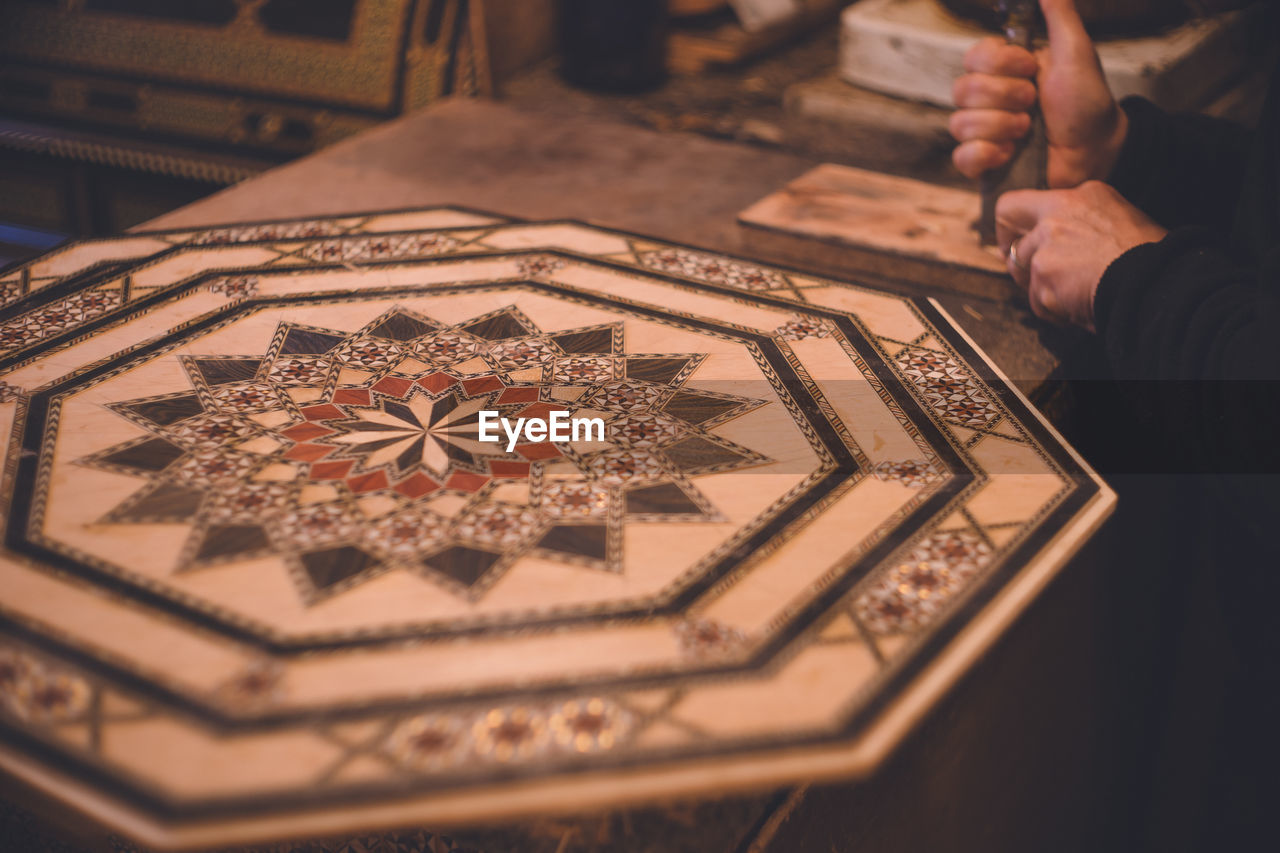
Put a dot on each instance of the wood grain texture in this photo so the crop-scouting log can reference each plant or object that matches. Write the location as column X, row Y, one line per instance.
column 843, row 219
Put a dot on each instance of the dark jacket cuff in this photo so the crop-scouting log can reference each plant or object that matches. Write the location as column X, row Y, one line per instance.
column 1123, row 304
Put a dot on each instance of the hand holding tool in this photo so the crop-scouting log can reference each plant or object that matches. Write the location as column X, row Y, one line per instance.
column 1027, row 169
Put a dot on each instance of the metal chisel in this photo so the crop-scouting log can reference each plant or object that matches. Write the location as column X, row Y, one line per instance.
column 1027, row 169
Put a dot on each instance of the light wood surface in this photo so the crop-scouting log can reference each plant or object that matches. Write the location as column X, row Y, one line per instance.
column 838, row 218
column 915, row 49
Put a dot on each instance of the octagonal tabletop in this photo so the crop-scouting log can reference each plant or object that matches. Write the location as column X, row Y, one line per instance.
column 262, row 578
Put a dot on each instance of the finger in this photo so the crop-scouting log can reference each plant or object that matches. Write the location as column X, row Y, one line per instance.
column 1037, row 307
column 1019, row 271
column 1068, row 40
column 989, row 91
column 992, row 125
column 1044, row 304
column 996, row 56
column 1020, row 211
column 980, row 155
column 1018, row 254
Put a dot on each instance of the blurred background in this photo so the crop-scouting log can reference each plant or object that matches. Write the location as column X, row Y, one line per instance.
column 115, row 111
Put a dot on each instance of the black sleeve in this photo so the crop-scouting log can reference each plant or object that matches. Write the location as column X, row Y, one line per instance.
column 1192, row 340
column 1193, row 337
column 1181, row 169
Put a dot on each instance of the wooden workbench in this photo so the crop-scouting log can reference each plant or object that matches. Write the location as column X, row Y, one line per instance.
column 1011, row 757
column 498, row 158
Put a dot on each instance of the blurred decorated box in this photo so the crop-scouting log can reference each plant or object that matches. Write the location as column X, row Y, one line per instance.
column 114, row 111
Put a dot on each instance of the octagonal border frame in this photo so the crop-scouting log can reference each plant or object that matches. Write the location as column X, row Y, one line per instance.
column 860, row 743
column 159, row 814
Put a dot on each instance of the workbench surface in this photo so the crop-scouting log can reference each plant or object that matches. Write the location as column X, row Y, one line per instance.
column 500, row 158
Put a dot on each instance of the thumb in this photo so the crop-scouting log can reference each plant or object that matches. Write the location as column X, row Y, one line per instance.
column 1068, row 41
column 1019, row 211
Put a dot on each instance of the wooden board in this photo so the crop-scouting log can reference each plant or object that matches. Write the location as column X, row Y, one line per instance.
column 685, row 8
column 263, row 580
column 692, row 48
column 915, row 49
column 844, row 220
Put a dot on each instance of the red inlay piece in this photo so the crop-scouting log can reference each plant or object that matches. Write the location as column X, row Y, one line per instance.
column 308, row 452
column 353, row 396
column 519, row 395
column 481, row 384
column 437, row 382
column 368, row 482
column 417, row 486
column 392, row 385
column 545, row 450
column 465, row 481
column 322, row 412
column 541, row 411
column 499, row 468
column 331, row 470
column 302, row 432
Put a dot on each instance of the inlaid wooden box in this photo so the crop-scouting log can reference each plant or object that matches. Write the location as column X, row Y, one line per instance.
column 280, row 76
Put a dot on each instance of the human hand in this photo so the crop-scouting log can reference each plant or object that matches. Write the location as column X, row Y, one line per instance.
column 1084, row 124
column 1058, row 243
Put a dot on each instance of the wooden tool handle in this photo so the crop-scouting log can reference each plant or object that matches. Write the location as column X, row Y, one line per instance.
column 1028, row 169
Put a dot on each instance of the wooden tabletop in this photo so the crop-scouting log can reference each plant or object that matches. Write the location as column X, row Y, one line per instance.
column 1013, row 754
column 500, row 158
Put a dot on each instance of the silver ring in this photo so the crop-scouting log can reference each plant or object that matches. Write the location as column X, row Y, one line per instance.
column 1013, row 255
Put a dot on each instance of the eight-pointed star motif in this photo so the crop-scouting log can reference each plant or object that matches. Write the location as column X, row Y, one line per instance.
column 420, row 432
